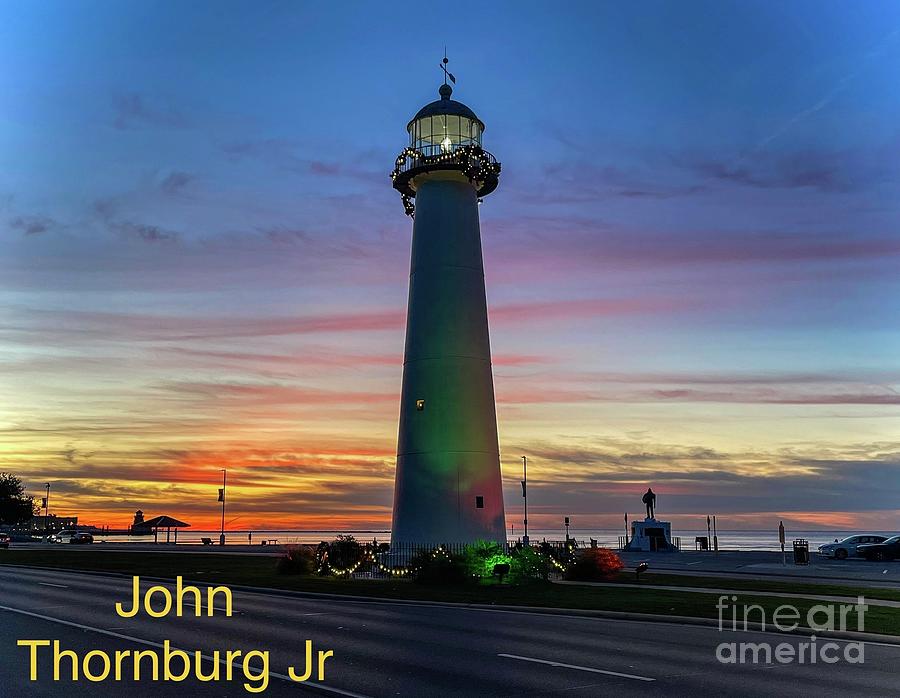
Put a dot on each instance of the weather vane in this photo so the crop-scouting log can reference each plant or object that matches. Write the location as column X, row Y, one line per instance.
column 447, row 73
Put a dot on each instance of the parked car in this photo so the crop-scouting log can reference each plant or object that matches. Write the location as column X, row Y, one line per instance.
column 848, row 547
column 82, row 538
column 4, row 540
column 888, row 550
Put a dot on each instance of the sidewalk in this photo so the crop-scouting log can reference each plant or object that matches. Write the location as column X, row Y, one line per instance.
column 768, row 565
column 740, row 592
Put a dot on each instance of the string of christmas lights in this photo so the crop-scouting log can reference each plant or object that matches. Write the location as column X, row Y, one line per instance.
column 323, row 566
column 475, row 163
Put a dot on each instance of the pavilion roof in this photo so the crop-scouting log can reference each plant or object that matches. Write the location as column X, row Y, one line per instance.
column 163, row 522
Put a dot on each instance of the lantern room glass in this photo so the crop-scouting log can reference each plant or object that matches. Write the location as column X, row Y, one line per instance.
column 443, row 133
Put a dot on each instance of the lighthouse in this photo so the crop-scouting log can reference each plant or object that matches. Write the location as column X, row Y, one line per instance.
column 447, row 487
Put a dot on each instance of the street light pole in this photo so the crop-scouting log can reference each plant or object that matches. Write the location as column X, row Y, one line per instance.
column 525, row 495
column 47, row 511
column 715, row 537
column 222, row 534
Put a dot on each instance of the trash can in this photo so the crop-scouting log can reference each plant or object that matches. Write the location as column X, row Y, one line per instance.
column 801, row 552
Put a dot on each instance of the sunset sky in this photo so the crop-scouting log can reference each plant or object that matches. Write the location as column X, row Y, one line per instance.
column 692, row 260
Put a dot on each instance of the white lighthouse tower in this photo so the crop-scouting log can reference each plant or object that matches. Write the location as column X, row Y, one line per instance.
column 448, row 487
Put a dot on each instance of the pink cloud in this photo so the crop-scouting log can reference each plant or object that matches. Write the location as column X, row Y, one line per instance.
column 92, row 324
column 273, row 395
column 588, row 307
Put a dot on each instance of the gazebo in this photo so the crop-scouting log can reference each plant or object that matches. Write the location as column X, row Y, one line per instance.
column 166, row 522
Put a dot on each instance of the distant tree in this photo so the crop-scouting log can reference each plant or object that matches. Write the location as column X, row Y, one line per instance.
column 15, row 505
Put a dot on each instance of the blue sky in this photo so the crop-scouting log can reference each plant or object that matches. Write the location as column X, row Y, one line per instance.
column 691, row 258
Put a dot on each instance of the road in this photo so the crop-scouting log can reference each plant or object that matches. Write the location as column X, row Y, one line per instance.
column 388, row 648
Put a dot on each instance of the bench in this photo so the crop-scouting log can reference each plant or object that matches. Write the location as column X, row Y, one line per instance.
column 206, row 541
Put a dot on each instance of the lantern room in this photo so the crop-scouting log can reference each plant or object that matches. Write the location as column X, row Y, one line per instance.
column 444, row 136
column 443, row 126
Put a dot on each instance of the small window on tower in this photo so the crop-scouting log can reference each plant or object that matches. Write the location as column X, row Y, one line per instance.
column 420, row 405
column 479, row 502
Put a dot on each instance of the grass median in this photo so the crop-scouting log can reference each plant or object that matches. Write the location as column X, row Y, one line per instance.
column 259, row 571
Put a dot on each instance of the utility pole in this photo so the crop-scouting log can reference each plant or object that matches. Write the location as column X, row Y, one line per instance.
column 525, row 495
column 222, row 498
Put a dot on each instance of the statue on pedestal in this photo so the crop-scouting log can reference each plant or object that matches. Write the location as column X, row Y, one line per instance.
column 649, row 499
column 651, row 535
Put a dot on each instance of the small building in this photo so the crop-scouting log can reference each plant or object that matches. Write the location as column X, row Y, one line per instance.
column 155, row 524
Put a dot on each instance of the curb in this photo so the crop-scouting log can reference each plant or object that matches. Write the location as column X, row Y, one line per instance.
column 853, row 636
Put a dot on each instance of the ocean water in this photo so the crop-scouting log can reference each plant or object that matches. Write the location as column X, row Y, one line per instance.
column 728, row 539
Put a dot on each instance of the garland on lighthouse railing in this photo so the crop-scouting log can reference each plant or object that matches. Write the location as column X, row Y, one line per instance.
column 476, row 165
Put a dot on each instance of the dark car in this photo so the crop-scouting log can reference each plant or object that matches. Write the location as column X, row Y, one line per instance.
column 82, row 538
column 4, row 540
column 888, row 550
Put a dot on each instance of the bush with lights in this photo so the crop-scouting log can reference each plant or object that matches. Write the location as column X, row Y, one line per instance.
column 341, row 557
column 482, row 558
column 594, row 565
column 439, row 567
column 531, row 565
column 482, row 562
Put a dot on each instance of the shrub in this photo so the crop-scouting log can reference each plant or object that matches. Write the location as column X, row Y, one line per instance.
column 439, row 568
column 296, row 560
column 340, row 555
column 529, row 565
column 595, row 565
column 481, row 557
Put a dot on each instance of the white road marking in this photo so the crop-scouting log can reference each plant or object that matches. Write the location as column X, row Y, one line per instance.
column 159, row 645
column 48, row 584
column 865, row 642
column 579, row 668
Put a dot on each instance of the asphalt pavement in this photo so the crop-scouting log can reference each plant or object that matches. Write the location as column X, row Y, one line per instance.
column 759, row 564
column 384, row 648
